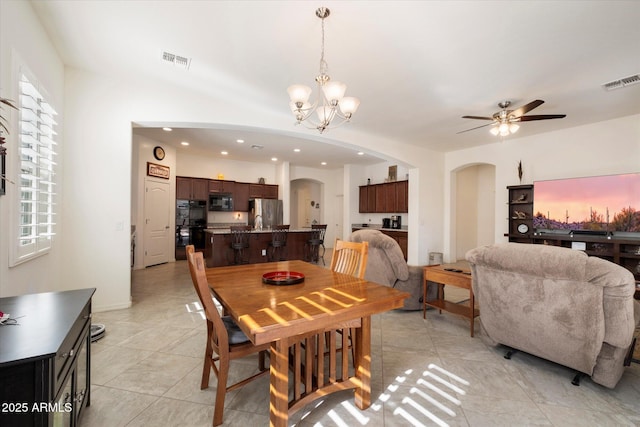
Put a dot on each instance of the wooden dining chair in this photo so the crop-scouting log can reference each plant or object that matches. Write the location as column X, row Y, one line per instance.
column 350, row 258
column 225, row 340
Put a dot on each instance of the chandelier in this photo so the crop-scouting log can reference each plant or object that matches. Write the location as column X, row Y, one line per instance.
column 330, row 104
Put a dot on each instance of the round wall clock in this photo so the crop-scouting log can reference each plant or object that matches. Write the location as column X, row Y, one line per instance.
column 523, row 228
column 158, row 153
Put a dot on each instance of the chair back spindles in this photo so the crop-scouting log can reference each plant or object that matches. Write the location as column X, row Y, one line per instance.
column 350, row 258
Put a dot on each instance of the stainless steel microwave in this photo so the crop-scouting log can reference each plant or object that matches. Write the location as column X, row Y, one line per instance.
column 221, row 202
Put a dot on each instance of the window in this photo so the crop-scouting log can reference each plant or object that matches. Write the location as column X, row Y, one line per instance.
column 37, row 167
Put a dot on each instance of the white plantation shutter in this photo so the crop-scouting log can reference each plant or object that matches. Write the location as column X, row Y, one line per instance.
column 37, row 171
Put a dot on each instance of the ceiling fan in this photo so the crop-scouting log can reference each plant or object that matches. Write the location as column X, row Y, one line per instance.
column 505, row 121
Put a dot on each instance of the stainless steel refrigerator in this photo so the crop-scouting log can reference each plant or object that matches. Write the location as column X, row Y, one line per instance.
column 265, row 213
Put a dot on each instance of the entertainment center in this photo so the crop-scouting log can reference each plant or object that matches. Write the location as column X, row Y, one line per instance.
column 598, row 215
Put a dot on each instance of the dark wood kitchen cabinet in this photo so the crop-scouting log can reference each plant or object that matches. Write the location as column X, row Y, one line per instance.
column 192, row 188
column 390, row 197
column 263, row 191
column 45, row 360
column 241, row 196
column 362, row 200
column 221, row 186
column 371, row 198
column 381, row 198
column 402, row 196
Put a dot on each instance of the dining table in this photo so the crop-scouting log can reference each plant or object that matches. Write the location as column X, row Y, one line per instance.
column 298, row 312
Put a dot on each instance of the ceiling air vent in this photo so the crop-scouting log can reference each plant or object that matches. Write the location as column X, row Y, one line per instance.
column 623, row 82
column 177, row 60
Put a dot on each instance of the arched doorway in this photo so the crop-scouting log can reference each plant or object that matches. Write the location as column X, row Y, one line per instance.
column 474, row 207
column 306, row 203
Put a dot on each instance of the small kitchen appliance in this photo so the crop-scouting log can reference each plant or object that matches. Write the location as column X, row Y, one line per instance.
column 396, row 222
column 386, row 222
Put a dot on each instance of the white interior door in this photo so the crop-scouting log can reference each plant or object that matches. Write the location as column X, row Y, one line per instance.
column 157, row 235
column 339, row 221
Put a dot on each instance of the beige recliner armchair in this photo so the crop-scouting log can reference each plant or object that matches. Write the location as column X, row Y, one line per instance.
column 386, row 265
column 558, row 304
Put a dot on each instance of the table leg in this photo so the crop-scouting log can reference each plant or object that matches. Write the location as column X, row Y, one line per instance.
column 279, row 388
column 363, row 364
column 472, row 302
column 424, row 299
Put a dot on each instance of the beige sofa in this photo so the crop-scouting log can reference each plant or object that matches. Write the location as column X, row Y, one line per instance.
column 558, row 304
column 386, row 265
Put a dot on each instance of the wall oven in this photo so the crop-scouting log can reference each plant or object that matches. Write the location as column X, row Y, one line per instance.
column 191, row 221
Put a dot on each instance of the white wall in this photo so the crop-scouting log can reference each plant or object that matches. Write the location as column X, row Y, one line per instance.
column 602, row 148
column 474, row 208
column 23, row 41
column 198, row 166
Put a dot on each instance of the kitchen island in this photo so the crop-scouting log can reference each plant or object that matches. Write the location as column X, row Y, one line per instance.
column 218, row 252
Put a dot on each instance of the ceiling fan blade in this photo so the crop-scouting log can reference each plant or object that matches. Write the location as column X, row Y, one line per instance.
column 526, row 108
column 541, row 117
column 478, row 127
column 477, row 117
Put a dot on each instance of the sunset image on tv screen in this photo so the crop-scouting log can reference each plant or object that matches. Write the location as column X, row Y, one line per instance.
column 600, row 203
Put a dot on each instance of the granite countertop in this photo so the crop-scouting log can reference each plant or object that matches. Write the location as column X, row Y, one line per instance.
column 228, row 230
column 377, row 227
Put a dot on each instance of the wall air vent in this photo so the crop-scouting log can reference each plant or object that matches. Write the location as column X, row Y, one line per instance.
column 623, row 82
column 177, row 60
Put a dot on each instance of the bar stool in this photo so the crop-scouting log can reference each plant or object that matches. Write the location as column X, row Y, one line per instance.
column 240, row 242
column 278, row 242
column 315, row 242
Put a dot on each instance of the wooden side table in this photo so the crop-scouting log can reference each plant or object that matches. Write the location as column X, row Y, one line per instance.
column 449, row 274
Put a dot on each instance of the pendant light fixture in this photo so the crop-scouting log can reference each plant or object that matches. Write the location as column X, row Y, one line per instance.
column 331, row 107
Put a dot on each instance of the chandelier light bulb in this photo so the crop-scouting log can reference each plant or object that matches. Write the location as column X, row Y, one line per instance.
column 495, row 131
column 299, row 93
column 513, row 128
column 334, row 91
column 324, row 114
column 349, row 105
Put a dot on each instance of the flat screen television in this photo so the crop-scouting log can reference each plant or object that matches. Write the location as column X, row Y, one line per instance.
column 609, row 203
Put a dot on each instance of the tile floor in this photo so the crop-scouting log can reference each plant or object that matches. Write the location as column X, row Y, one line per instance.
column 146, row 372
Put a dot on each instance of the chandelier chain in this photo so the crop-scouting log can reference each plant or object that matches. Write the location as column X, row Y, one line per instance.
column 324, row 67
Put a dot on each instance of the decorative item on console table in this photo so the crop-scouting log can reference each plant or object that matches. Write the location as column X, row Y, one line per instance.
column 520, row 213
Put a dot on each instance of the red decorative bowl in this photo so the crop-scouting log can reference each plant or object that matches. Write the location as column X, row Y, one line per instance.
column 282, row 278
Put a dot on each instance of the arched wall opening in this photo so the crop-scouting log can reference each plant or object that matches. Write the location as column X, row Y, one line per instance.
column 472, row 208
column 306, row 203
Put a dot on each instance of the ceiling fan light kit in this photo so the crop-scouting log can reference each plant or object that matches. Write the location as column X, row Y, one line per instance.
column 505, row 122
column 330, row 103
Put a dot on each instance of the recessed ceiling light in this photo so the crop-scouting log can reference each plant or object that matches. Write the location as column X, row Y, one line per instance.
column 167, row 129
column 360, row 153
column 297, row 150
column 224, row 153
column 240, row 141
column 323, row 163
column 184, row 143
column 274, row 159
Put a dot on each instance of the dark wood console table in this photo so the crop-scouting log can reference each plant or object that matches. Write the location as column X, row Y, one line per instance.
column 45, row 358
column 624, row 251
